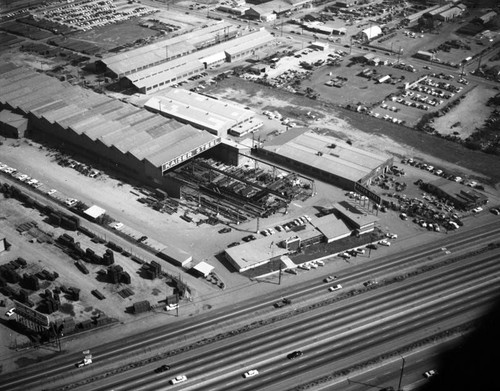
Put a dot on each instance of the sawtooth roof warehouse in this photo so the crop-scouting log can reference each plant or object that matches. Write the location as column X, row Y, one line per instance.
column 129, row 139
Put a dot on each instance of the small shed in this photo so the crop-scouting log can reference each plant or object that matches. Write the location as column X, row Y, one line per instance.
column 94, row 213
column 203, row 268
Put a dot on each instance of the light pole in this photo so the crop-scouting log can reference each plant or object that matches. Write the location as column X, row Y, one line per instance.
column 401, row 374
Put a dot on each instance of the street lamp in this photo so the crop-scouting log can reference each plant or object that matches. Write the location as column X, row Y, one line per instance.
column 401, row 374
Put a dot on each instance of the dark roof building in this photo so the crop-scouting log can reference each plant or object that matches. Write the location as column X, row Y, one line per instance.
column 133, row 140
column 325, row 158
column 461, row 196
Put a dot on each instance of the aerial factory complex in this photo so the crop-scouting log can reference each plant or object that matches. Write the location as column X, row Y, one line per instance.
column 262, row 195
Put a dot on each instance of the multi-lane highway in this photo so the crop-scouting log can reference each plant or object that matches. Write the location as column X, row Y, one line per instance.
column 335, row 337
column 356, row 313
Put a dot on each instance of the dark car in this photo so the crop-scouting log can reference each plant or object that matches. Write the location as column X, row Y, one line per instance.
column 225, row 230
column 372, row 246
column 294, row 355
column 163, row 368
column 233, row 244
column 249, row 238
column 142, row 239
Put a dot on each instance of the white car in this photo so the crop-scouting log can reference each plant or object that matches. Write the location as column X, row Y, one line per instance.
column 178, row 379
column 71, row 201
column 384, row 242
column 430, row 373
column 250, row 373
column 359, row 250
column 172, row 306
column 10, row 312
column 335, row 288
column 477, row 210
column 391, row 236
column 51, row 191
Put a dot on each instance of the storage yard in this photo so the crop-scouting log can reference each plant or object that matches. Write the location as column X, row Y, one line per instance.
column 159, row 160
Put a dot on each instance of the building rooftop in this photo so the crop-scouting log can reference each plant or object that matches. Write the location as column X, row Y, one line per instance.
column 355, row 216
column 203, row 111
column 155, row 139
column 327, row 154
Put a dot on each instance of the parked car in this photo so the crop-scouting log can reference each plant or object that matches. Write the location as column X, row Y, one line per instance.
column 384, row 242
column 391, row 235
column 233, row 244
column 372, row 246
column 495, row 211
column 10, row 312
column 225, row 230
column 172, row 306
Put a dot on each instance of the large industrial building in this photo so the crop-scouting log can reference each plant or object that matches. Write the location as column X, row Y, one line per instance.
column 217, row 116
column 323, row 157
column 157, row 66
column 129, row 139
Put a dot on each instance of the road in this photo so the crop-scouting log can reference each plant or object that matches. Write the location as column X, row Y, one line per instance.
column 110, row 353
column 352, row 331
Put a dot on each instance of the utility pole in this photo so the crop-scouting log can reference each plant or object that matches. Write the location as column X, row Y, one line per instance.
column 401, row 374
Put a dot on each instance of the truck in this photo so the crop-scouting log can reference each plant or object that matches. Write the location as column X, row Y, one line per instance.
column 86, row 361
column 283, row 302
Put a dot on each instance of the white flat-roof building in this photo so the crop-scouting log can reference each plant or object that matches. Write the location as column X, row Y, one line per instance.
column 217, row 116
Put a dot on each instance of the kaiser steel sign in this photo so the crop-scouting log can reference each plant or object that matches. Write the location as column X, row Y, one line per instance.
column 366, row 192
column 32, row 315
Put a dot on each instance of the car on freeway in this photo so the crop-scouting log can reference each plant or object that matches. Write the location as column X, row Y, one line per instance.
column 430, row 373
column 178, row 379
column 384, row 242
column 163, row 368
column 234, row 244
column 225, row 230
column 330, row 278
column 295, row 354
column 250, row 373
column 370, row 283
column 335, row 288
column 10, row 312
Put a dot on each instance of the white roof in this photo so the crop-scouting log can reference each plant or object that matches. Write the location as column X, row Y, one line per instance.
column 95, row 211
column 204, row 268
column 372, row 32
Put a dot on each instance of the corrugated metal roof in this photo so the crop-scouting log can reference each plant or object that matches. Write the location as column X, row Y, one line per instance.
column 344, row 160
column 158, row 51
column 247, row 42
column 100, row 118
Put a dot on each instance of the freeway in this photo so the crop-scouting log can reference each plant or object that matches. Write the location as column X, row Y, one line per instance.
column 128, row 347
column 334, row 333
